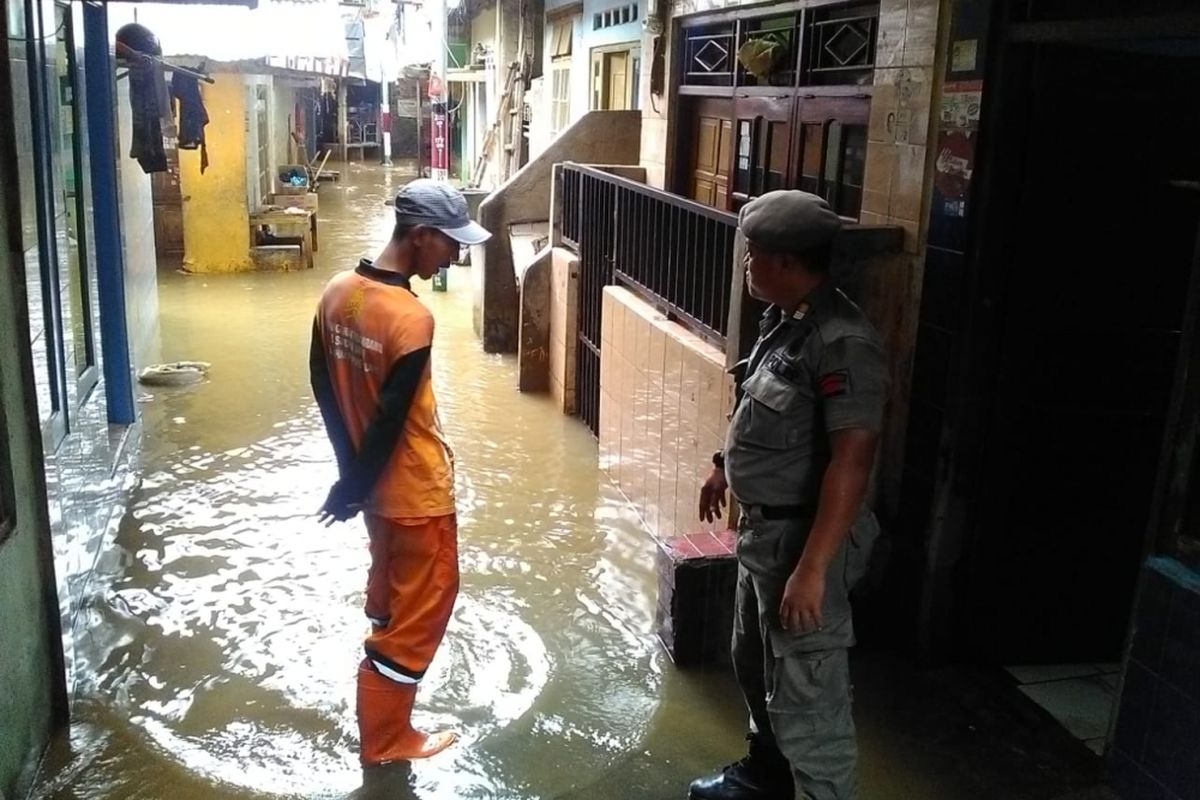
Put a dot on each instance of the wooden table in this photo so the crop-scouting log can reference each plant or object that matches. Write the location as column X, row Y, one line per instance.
column 301, row 219
column 307, row 200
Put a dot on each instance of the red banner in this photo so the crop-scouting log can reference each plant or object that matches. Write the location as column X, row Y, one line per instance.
column 439, row 141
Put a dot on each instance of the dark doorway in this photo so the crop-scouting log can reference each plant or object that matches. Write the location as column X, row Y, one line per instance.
column 1086, row 254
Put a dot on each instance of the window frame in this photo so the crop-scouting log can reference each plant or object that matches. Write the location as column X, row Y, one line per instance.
column 728, row 32
column 87, row 374
column 560, row 76
column 262, row 144
column 56, row 421
column 757, row 105
column 562, row 38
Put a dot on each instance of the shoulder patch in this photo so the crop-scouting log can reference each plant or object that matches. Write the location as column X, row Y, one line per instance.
column 834, row 384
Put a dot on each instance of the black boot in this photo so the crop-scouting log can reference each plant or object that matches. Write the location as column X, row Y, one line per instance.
column 764, row 774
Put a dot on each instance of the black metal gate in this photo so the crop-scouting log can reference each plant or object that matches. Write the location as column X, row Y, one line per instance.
column 589, row 228
column 676, row 254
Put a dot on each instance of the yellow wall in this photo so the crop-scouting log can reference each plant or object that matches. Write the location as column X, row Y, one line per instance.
column 216, row 227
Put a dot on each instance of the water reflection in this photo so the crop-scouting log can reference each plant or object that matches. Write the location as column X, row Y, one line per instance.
column 224, row 641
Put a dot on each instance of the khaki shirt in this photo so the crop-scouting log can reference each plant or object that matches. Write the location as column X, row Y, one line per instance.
column 815, row 372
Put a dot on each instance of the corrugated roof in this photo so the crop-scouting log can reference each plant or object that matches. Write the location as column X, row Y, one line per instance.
column 312, row 31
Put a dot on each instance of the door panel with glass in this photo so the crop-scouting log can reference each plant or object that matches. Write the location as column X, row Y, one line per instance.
column 830, row 149
column 762, row 126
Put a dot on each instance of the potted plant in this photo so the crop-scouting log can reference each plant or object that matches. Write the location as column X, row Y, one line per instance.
column 760, row 56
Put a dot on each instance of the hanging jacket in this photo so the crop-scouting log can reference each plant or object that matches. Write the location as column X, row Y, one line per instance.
column 147, row 141
column 193, row 117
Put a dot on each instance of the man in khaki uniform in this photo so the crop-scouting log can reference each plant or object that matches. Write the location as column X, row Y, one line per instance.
column 798, row 461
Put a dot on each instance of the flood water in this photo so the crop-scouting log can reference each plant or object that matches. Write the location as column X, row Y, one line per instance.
column 221, row 655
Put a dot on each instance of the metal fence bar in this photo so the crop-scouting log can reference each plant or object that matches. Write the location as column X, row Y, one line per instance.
column 675, row 253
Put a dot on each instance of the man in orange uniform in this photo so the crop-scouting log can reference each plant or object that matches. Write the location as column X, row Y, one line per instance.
column 370, row 373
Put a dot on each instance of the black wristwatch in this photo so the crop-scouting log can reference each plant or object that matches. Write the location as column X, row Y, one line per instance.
column 718, row 460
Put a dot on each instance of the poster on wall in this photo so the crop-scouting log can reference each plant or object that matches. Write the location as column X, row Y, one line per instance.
column 955, row 162
column 439, row 161
column 439, row 140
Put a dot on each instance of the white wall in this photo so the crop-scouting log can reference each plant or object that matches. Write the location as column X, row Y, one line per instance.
column 540, row 127
column 283, row 111
column 137, row 229
column 617, row 34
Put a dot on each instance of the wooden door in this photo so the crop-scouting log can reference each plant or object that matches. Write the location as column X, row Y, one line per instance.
column 617, row 75
column 829, row 149
column 168, row 209
column 762, row 141
column 712, row 135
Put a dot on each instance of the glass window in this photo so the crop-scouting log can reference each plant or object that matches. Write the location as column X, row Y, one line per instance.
column 845, row 165
column 72, row 232
column 745, row 144
column 560, row 97
column 708, row 55
column 561, row 38
column 840, row 43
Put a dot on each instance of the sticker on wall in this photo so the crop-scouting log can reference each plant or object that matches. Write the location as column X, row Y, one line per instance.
column 953, row 169
column 964, row 55
column 961, row 103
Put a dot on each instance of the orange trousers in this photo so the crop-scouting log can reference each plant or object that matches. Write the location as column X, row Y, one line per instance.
column 411, row 587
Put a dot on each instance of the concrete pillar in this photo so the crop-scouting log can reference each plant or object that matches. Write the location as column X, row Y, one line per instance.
column 343, row 122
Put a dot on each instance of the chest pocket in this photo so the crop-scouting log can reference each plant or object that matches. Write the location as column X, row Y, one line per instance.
column 775, row 410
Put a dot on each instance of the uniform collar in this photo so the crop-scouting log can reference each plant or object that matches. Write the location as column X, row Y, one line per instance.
column 367, row 269
column 818, row 297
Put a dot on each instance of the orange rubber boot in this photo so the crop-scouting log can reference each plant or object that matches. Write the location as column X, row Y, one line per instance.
column 385, row 722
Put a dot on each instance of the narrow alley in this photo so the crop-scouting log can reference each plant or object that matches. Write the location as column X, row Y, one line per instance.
column 224, row 639
column 226, row 622
column 180, row 180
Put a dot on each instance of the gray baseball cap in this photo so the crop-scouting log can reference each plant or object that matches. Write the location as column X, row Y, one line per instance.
column 438, row 205
column 789, row 221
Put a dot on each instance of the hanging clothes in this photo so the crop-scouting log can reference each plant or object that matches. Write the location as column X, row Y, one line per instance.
column 149, row 101
column 193, row 116
column 147, row 140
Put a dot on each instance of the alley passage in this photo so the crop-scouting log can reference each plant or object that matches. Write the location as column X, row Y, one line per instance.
column 227, row 624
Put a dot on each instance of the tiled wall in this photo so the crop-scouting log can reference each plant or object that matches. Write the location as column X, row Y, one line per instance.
column 943, row 292
column 564, row 324
column 1156, row 750
column 664, row 402
column 657, row 120
column 901, row 105
column 89, row 479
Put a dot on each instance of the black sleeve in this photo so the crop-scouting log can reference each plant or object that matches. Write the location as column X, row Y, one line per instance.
column 322, row 386
column 383, row 433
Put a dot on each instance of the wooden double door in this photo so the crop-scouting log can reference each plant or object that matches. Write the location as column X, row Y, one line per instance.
column 746, row 146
